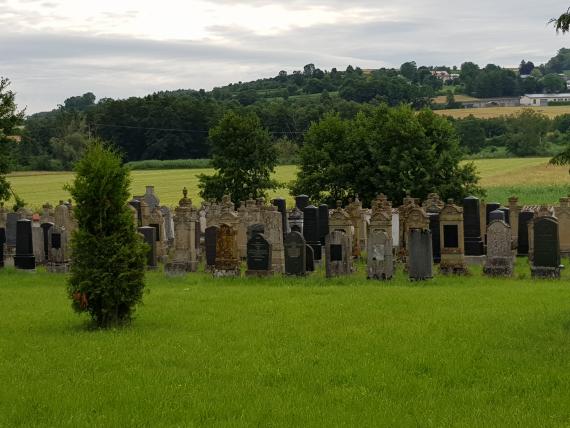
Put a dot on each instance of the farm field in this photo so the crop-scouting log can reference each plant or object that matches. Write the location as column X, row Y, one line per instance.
column 531, row 179
column 467, row 351
column 460, row 98
column 489, row 112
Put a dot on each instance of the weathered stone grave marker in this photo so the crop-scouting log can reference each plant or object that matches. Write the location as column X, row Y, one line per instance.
column 295, row 254
column 258, row 256
column 500, row 261
column 546, row 249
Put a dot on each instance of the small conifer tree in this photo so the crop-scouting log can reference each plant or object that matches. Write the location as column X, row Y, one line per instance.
column 108, row 256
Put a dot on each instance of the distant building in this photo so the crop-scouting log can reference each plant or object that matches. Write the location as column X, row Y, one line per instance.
column 543, row 99
column 442, row 75
column 492, row 102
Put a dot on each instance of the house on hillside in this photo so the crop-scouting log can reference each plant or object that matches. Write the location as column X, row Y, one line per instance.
column 543, row 99
column 492, row 102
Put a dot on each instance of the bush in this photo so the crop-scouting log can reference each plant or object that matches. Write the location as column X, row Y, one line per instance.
column 107, row 271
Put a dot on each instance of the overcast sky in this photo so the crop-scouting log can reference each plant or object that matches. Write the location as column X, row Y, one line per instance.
column 54, row 49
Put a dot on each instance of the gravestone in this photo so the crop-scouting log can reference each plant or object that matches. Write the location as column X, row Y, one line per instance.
column 338, row 254
column 563, row 215
column 255, row 229
column 452, row 240
column 301, row 202
column 149, row 237
column 45, row 230
column 184, row 252
column 435, row 236
column 2, row 245
column 210, row 239
column 420, row 257
column 525, row 217
column 281, row 205
column 323, row 223
column 296, row 220
column 136, row 204
column 295, row 254
column 472, row 227
column 546, row 252
column 380, row 264
column 169, row 231
column 227, row 255
column 58, row 252
column 489, row 208
column 309, row 258
column 11, row 228
column 258, row 256
column 38, row 240
column 24, row 258
column 506, row 213
column 497, row 215
column 311, row 230
column 500, row 260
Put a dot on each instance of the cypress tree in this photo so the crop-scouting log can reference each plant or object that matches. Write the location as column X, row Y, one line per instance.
column 108, row 256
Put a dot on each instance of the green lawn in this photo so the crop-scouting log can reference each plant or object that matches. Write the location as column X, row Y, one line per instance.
column 291, row 352
column 530, row 178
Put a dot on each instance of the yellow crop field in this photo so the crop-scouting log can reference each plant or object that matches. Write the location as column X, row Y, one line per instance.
column 530, row 177
column 491, row 112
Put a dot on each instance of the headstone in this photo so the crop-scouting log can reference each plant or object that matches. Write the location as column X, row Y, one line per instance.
column 489, row 208
column 258, row 256
column 497, row 215
column 24, row 258
column 211, row 237
column 136, row 204
column 150, row 198
column 281, row 205
column 472, row 227
column 45, row 230
column 309, row 258
column 338, row 254
column 296, row 220
column 2, row 245
column 420, row 257
column 311, row 230
column 11, row 227
column 301, row 202
column 546, row 251
column 380, row 264
column 58, row 251
column 273, row 232
column 255, row 229
column 500, row 260
column 149, row 237
column 435, row 236
column 168, row 225
column 227, row 256
column 38, row 240
column 563, row 216
column 452, row 240
column 523, row 245
column 506, row 213
column 295, row 254
column 184, row 254
column 323, row 222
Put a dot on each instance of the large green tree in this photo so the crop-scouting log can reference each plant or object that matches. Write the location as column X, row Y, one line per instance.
column 243, row 156
column 107, row 272
column 10, row 119
column 389, row 150
column 526, row 133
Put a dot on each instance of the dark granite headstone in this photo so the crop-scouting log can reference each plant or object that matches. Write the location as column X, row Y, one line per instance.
column 507, row 213
column 11, row 226
column 149, row 235
column 523, row 245
column 55, row 240
column 435, row 236
column 295, row 254
column 210, row 238
column 2, row 242
column 496, row 215
column 489, row 208
column 258, row 255
column 46, row 228
column 420, row 259
column 472, row 227
column 311, row 230
column 24, row 258
column 301, row 202
column 309, row 258
column 136, row 204
column 197, row 234
column 323, row 222
column 546, row 260
column 281, row 205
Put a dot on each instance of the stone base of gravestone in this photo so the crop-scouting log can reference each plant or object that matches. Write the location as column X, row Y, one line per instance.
column 475, row 260
column 175, row 268
column 58, row 267
column 453, row 267
column 223, row 273
column 499, row 266
column 542, row 272
column 259, row 273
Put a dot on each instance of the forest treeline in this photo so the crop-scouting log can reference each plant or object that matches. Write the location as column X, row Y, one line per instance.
column 175, row 124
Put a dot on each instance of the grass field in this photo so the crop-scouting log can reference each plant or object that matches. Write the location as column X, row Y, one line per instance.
column 442, row 99
column 532, row 179
column 489, row 112
column 291, row 352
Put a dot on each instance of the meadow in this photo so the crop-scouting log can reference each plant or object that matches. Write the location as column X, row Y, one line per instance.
column 531, row 179
column 490, row 112
column 291, row 352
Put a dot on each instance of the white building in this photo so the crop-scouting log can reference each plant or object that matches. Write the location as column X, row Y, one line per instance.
column 543, row 99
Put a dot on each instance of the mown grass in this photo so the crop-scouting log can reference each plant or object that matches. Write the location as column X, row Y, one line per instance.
column 532, row 179
column 490, row 112
column 291, row 352
column 170, row 164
